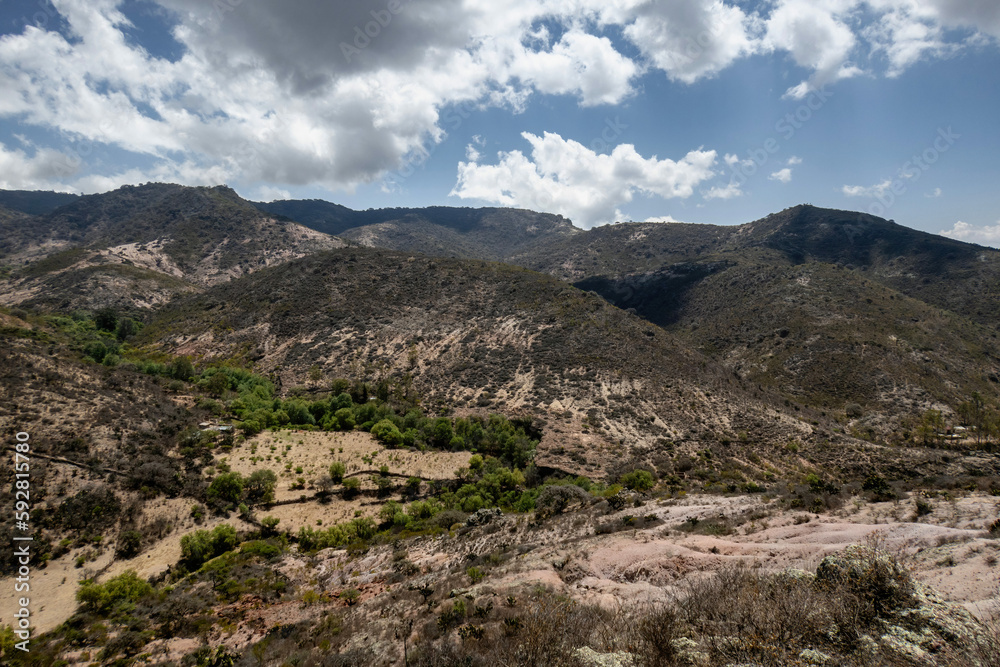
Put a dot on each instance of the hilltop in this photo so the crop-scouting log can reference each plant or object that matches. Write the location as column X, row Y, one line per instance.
column 139, row 246
column 472, row 233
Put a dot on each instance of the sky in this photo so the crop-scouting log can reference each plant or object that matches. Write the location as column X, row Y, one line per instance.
column 599, row 110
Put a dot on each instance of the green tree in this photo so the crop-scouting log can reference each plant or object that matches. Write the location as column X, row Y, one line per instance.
column 259, row 487
column 227, row 487
column 932, row 427
column 96, row 351
column 345, row 418
column 126, row 327
column 386, row 432
column 975, row 415
column 269, row 525
column 203, row 545
column 106, row 319
column 337, row 470
column 638, row 480
column 352, row 487
column 181, row 368
column 117, row 594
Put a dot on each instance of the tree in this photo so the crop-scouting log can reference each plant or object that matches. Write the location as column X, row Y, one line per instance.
column 638, row 480
column 217, row 384
column 181, row 368
column 126, row 327
column 203, row 545
column 387, row 432
column 259, row 488
column 337, row 471
column 106, row 319
column 269, row 525
column 974, row 414
column 931, row 427
column 352, row 487
column 227, row 487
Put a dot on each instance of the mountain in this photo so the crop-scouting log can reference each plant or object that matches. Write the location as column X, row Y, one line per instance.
column 610, row 388
column 35, row 202
column 827, row 307
column 474, row 334
column 473, row 233
column 141, row 245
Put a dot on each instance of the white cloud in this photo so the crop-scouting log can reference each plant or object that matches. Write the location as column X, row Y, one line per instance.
column 794, row 160
column 984, row 235
column 816, row 36
column 876, row 190
column 661, row 218
column 268, row 194
column 723, row 192
column 19, row 171
column 933, row 194
column 280, row 94
column 782, row 175
column 564, row 176
column 579, row 64
column 692, row 39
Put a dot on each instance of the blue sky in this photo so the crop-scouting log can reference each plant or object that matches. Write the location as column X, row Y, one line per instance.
column 691, row 110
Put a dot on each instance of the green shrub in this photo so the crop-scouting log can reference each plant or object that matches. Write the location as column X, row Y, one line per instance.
column 352, row 487
column 115, row 595
column 638, row 480
column 203, row 545
column 337, row 470
column 261, row 548
column 259, row 487
column 227, row 487
column 387, row 433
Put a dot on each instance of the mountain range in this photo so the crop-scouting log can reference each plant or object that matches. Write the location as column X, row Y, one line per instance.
column 633, row 340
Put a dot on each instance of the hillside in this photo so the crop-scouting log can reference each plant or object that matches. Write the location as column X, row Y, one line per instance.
column 472, row 233
column 35, row 202
column 828, row 307
column 140, row 246
column 610, row 389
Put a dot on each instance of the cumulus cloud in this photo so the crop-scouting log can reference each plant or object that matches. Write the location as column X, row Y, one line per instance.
column 661, row 218
column 579, row 64
column 692, row 39
column 983, row 235
column 723, row 192
column 567, row 177
column 338, row 93
column 782, row 175
column 817, row 37
column 876, row 190
column 20, row 171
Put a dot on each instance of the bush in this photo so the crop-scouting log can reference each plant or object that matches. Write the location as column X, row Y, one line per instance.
column 269, row 525
column 116, row 595
column 352, row 487
column 638, row 480
column 387, row 433
column 449, row 518
column 129, row 544
column 261, row 548
column 554, row 499
column 203, row 545
column 227, row 487
column 259, row 488
column 106, row 319
column 879, row 488
column 337, row 470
